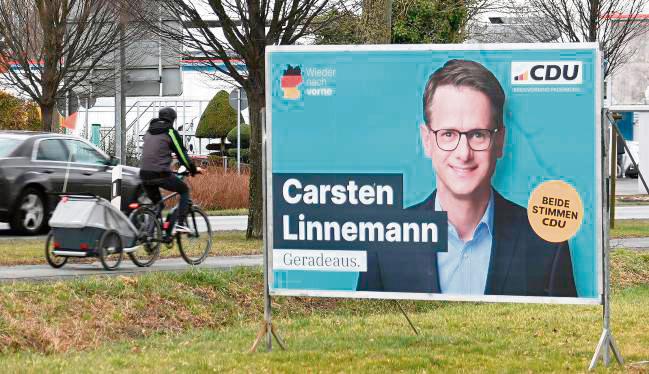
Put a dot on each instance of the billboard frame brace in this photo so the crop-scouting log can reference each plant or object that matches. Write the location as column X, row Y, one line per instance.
column 618, row 133
column 606, row 340
column 406, row 315
column 267, row 328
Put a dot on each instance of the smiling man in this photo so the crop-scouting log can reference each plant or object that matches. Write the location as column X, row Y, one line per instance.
column 492, row 248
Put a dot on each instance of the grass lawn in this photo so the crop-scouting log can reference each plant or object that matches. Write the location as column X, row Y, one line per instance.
column 32, row 251
column 203, row 321
column 630, row 228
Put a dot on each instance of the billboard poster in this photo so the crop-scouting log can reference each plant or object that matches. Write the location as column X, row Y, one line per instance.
column 435, row 172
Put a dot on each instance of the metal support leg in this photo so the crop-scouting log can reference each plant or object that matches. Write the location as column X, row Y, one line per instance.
column 606, row 340
column 407, row 318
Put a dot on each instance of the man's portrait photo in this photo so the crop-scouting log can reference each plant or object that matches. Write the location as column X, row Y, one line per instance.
column 492, row 248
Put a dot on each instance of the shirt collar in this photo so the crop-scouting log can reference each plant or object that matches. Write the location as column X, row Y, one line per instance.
column 487, row 218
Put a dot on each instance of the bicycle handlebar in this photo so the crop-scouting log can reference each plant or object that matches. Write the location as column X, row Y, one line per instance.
column 185, row 173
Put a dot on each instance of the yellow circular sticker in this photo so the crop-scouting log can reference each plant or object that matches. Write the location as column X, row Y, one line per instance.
column 555, row 211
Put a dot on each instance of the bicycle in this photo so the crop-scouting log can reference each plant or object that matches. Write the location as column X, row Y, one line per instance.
column 194, row 246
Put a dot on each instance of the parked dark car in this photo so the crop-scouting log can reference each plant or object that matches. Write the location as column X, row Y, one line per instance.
column 35, row 166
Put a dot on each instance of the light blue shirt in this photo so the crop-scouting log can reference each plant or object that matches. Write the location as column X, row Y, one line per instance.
column 464, row 267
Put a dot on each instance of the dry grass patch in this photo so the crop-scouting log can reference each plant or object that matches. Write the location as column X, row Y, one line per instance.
column 216, row 189
column 638, row 199
column 83, row 314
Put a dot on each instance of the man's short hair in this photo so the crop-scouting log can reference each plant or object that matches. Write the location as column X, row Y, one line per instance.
column 471, row 74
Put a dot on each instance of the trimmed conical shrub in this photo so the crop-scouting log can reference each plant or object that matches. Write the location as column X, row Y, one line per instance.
column 245, row 136
column 218, row 118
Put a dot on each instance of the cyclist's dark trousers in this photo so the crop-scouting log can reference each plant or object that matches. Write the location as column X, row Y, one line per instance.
column 169, row 183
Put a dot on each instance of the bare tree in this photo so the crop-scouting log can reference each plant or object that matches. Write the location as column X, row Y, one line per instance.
column 227, row 31
column 51, row 46
column 612, row 23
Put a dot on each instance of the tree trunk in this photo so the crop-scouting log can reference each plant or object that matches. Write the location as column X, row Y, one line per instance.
column 48, row 116
column 375, row 22
column 593, row 20
column 256, row 100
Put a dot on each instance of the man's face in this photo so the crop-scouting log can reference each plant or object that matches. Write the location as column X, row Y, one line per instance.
column 463, row 172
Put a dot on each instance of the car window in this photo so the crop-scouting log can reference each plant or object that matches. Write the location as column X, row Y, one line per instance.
column 52, row 150
column 84, row 153
column 7, row 146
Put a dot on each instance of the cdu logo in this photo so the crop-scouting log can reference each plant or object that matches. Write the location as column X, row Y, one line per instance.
column 291, row 78
column 546, row 72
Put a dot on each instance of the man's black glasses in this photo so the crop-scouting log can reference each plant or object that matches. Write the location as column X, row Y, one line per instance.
column 479, row 139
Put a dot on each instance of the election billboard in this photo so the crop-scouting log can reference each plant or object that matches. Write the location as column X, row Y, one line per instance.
column 435, row 172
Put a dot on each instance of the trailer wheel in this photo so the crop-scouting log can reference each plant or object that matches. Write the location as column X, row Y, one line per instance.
column 52, row 259
column 110, row 250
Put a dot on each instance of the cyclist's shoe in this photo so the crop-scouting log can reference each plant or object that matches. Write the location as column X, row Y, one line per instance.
column 182, row 229
column 168, row 240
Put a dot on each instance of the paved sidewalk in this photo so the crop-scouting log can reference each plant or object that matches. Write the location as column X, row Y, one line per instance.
column 75, row 270
column 630, row 243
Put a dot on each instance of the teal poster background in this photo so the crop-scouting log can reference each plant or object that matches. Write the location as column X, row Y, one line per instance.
column 365, row 117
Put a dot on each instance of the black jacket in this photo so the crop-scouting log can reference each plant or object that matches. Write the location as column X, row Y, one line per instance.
column 160, row 141
column 521, row 262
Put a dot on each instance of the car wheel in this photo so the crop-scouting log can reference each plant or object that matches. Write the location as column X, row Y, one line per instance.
column 30, row 214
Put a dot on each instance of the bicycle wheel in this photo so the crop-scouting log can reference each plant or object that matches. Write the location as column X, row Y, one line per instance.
column 52, row 259
column 110, row 250
column 195, row 246
column 149, row 237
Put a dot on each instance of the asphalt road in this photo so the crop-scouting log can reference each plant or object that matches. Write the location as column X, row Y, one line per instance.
column 632, row 212
column 218, row 223
column 629, row 186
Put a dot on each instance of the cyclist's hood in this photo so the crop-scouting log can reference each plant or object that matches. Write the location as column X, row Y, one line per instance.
column 159, row 126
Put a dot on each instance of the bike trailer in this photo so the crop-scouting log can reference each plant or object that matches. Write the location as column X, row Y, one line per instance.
column 78, row 223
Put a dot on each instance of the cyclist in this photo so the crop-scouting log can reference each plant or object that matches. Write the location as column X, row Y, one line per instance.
column 160, row 141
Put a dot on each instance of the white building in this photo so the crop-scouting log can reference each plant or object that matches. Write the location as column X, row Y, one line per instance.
column 199, row 85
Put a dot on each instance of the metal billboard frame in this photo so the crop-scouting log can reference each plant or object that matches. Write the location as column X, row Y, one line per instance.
column 601, row 242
